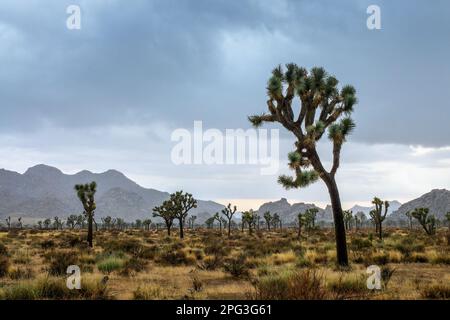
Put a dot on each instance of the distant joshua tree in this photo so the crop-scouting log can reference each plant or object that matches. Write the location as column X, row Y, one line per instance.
column 310, row 215
column 249, row 217
column 147, row 223
column 166, row 211
column 57, row 224
column 323, row 106
column 360, row 219
column 191, row 221
column 71, row 221
column 47, row 223
column 8, row 222
column 210, row 222
column 410, row 218
column 301, row 220
column 428, row 222
column 19, row 223
column 228, row 212
column 378, row 216
column 217, row 218
column 348, row 218
column 86, row 193
column 268, row 217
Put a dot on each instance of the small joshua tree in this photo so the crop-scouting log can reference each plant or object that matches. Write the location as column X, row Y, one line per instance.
column 86, row 193
column 378, row 216
column 166, row 211
column 8, row 222
column 348, row 218
column 310, row 216
column 47, row 223
column 219, row 220
column 228, row 212
column 428, row 222
column 81, row 220
column 191, row 221
column 322, row 107
column 210, row 222
column 57, row 224
column 301, row 220
column 275, row 220
column 250, row 218
column 268, row 217
column 147, row 223
column 71, row 221
column 19, row 223
column 39, row 223
column 410, row 218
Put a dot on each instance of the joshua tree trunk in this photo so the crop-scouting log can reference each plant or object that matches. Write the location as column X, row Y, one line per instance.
column 90, row 231
column 229, row 227
column 339, row 227
column 181, row 229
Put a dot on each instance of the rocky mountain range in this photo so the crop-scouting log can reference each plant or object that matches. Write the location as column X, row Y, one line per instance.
column 394, row 205
column 437, row 201
column 45, row 192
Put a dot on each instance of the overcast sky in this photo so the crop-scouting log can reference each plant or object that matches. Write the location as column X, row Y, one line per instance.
column 110, row 94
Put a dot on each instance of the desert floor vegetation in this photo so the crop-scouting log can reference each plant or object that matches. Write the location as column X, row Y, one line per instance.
column 140, row 264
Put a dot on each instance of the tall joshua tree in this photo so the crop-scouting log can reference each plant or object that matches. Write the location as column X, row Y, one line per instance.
column 228, row 212
column 323, row 107
column 86, row 193
column 378, row 216
column 182, row 203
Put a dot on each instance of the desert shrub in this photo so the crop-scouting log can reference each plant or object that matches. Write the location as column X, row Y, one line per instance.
column 110, row 264
column 21, row 273
column 55, row 288
column 418, row 257
column 442, row 258
column 174, row 257
column 21, row 257
column 346, row 287
column 436, row 291
column 302, row 262
column 210, row 263
column 299, row 285
column 125, row 245
column 236, row 267
column 60, row 260
column 147, row 252
column 47, row 244
column 3, row 250
column 217, row 248
column 283, row 257
column 134, row 264
column 360, row 244
column 380, row 258
column 4, row 266
column 149, row 292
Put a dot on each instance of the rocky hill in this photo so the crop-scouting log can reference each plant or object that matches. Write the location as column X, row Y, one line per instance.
column 289, row 212
column 437, row 200
column 44, row 191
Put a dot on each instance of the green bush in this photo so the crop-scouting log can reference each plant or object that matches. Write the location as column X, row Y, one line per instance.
column 111, row 264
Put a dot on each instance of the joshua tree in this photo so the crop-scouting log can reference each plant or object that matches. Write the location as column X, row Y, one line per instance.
column 191, row 221
column 81, row 219
column 348, row 217
column 249, row 217
column 323, row 107
column 138, row 223
column 71, row 221
column 301, row 219
column 310, row 216
column 47, row 223
column 8, row 222
column 428, row 222
column 210, row 222
column 228, row 212
column 57, row 224
column 167, row 213
column 147, row 223
column 217, row 218
column 410, row 218
column 121, row 224
column 378, row 216
column 86, row 193
column 275, row 220
column 268, row 217
column 183, row 202
column 19, row 223
column 360, row 218
column 39, row 223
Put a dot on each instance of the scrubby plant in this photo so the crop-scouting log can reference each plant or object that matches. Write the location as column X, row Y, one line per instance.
column 86, row 193
column 323, row 106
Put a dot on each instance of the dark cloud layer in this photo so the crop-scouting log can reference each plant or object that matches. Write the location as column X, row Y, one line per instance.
column 134, row 62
